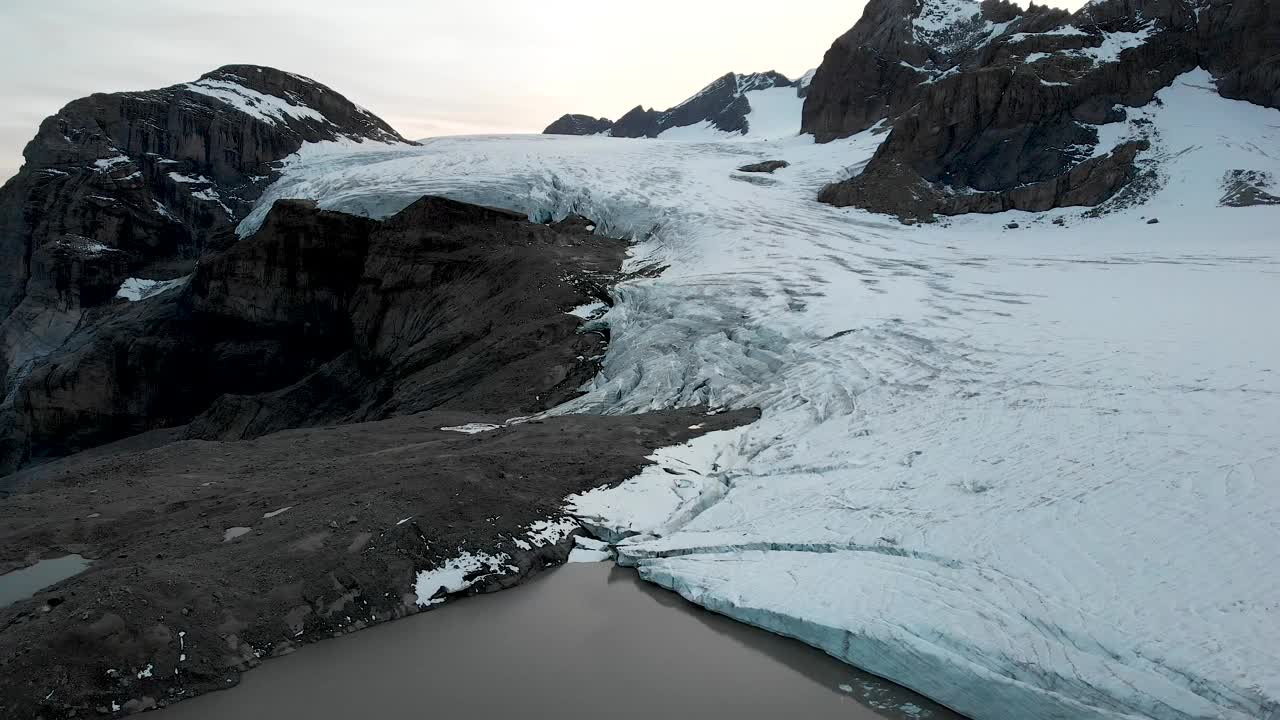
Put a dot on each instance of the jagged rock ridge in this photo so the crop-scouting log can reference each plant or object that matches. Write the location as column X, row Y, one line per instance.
column 578, row 125
column 723, row 104
column 994, row 107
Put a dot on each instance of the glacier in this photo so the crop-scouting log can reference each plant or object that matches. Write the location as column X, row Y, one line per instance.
column 1024, row 464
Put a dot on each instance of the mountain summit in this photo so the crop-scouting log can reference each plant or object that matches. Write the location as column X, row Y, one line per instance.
column 121, row 193
column 723, row 105
column 995, row 107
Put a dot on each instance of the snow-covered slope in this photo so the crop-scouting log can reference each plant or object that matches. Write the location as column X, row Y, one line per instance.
column 774, row 114
column 762, row 105
column 1028, row 472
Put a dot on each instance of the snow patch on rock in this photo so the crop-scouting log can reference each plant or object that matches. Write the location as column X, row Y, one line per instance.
column 267, row 108
column 137, row 289
column 682, row 481
column 472, row 428
column 457, row 574
column 547, row 532
column 105, row 165
column 189, row 179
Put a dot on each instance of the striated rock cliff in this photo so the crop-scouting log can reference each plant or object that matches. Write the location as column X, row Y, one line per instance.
column 141, row 184
column 323, row 317
column 995, row 108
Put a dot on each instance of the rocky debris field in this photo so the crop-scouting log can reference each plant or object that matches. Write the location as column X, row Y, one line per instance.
column 209, row 556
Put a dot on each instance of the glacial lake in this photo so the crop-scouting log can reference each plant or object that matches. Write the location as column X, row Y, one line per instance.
column 22, row 584
column 582, row 640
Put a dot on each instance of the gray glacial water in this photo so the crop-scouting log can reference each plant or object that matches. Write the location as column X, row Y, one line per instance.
column 582, row 639
column 22, row 584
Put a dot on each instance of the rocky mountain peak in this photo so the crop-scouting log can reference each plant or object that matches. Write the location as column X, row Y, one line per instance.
column 136, row 186
column 994, row 107
column 950, row 28
column 286, row 99
column 762, row 81
column 723, row 104
column 802, row 85
column 572, row 124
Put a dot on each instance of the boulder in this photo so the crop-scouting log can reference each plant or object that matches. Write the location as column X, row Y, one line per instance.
column 768, row 166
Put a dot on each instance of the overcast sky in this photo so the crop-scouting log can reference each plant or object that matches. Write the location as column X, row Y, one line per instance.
column 428, row 67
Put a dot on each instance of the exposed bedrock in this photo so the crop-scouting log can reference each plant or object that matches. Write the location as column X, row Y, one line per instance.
column 993, row 107
column 323, row 317
column 578, row 125
column 141, row 184
column 723, row 104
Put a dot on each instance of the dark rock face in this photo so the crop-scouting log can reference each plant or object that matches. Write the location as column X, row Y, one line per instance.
column 722, row 103
column 638, row 122
column 578, row 125
column 868, row 74
column 322, row 317
column 768, row 166
column 142, row 184
column 1246, row 188
column 1237, row 42
column 994, row 107
column 341, row 518
column 162, row 172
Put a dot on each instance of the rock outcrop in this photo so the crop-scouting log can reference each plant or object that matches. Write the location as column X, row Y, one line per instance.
column 724, row 105
column 994, row 107
column 768, row 166
column 1245, row 188
column 141, row 184
column 323, row 317
column 578, row 125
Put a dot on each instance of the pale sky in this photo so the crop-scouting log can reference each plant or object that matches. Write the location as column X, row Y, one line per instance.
column 427, row 67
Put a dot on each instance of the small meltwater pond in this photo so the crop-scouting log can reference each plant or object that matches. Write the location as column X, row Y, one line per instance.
column 583, row 640
column 22, row 584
